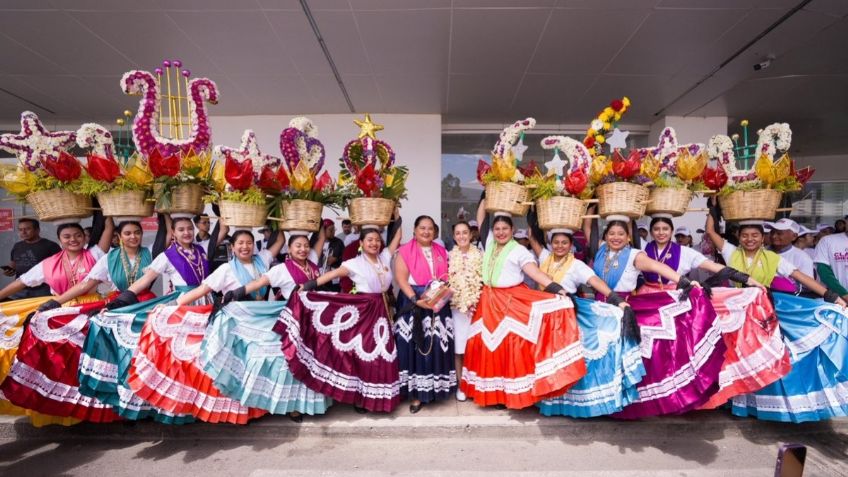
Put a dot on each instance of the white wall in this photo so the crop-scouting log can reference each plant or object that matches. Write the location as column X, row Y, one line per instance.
column 415, row 138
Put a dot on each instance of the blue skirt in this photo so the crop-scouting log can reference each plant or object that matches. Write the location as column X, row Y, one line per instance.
column 426, row 372
column 816, row 334
column 106, row 357
column 614, row 366
column 243, row 356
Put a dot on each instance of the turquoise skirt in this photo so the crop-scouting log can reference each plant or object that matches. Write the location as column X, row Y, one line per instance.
column 244, row 357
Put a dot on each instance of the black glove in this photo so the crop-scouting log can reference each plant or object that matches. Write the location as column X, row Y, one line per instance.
column 554, row 288
column 238, row 294
column 686, row 286
column 738, row 277
column 614, row 299
column 715, row 210
column 310, row 285
column 125, row 298
column 629, row 326
column 831, row 296
column 49, row 305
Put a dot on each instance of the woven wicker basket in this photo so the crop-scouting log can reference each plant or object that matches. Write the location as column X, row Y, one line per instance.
column 302, row 215
column 371, row 211
column 669, row 200
column 185, row 199
column 560, row 212
column 622, row 198
column 759, row 204
column 507, row 197
column 58, row 204
column 239, row 214
column 130, row 203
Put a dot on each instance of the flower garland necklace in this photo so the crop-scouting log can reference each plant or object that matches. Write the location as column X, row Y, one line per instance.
column 130, row 270
column 465, row 270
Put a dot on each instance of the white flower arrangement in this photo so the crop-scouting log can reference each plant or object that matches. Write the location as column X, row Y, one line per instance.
column 304, row 124
column 510, row 135
column 95, row 137
column 465, row 273
column 773, row 138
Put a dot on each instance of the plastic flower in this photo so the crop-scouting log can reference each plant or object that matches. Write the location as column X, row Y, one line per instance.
column 301, row 177
column 600, row 168
column 65, row 168
column 650, row 166
column 626, row 168
column 18, row 182
column 283, row 177
column 690, row 167
column 801, row 175
column 366, row 180
column 239, row 175
column 138, row 173
column 268, row 181
column 770, row 173
column 219, row 180
column 714, row 178
column 575, row 182
column 325, row 182
column 163, row 166
column 503, row 167
column 104, row 169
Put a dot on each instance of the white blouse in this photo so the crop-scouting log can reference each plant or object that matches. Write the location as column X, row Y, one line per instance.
column 578, row 274
column 279, row 276
column 223, row 279
column 35, row 276
column 362, row 272
column 511, row 272
column 784, row 267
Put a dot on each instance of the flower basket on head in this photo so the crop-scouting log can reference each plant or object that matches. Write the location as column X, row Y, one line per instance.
column 561, row 212
column 668, row 200
column 242, row 214
column 184, row 199
column 676, row 171
column 622, row 198
column 370, row 180
column 58, row 204
column 560, row 193
column 127, row 203
column 759, row 204
column 301, row 214
column 504, row 179
column 507, row 197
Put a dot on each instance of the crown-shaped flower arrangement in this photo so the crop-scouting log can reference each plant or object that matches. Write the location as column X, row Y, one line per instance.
column 368, row 168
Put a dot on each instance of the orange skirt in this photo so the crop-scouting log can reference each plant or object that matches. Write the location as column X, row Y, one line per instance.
column 523, row 346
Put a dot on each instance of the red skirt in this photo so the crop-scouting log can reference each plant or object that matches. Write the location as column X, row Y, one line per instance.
column 166, row 370
column 43, row 377
column 523, row 346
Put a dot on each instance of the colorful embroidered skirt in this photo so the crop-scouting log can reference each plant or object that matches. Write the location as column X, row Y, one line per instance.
column 614, row 366
column 816, row 388
column 342, row 346
column 523, row 346
column 682, row 350
column 427, row 369
column 43, row 377
column 106, row 357
column 166, row 370
column 243, row 356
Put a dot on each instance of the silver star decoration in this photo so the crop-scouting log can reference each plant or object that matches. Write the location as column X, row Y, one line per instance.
column 519, row 149
column 556, row 165
column 618, row 140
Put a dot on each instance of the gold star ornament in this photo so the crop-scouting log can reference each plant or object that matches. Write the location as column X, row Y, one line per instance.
column 367, row 128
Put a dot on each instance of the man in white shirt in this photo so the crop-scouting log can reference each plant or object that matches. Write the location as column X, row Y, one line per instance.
column 783, row 233
column 832, row 262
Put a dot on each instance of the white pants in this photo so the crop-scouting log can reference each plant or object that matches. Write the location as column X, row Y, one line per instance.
column 461, row 327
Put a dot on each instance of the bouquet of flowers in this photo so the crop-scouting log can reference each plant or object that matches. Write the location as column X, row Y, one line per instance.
column 504, row 178
column 604, row 123
column 242, row 179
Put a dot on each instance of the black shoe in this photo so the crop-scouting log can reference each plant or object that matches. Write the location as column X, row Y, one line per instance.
column 501, row 407
column 296, row 417
column 360, row 410
column 414, row 408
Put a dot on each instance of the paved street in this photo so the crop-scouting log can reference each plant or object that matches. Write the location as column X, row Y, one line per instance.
column 445, row 439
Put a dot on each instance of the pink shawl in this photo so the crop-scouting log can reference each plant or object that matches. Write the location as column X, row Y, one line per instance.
column 62, row 278
column 418, row 267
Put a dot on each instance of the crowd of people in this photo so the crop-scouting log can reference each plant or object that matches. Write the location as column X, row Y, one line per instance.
column 630, row 321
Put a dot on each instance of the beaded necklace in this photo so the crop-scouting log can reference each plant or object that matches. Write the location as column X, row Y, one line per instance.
column 130, row 270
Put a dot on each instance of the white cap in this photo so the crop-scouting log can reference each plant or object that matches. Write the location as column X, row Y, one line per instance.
column 502, row 214
column 182, row 215
column 784, row 224
column 642, row 227
column 682, row 231
column 662, row 216
column 61, row 222
column 616, row 217
column 821, row 227
column 751, row 222
column 120, row 219
column 805, row 231
column 520, row 234
column 299, row 232
column 553, row 232
column 473, row 223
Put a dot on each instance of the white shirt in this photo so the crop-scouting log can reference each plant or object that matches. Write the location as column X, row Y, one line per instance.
column 280, row 277
column 350, row 238
column 223, row 279
column 170, row 276
column 511, row 273
column 100, row 272
column 784, row 267
column 801, row 260
column 627, row 282
column 833, row 250
column 428, row 256
column 578, row 274
column 35, row 276
column 362, row 271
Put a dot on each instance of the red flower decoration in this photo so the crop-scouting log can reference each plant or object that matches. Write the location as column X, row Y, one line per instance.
column 239, row 174
column 589, row 142
column 801, row 175
column 483, row 168
column 283, row 177
column 324, row 182
column 626, row 168
column 66, row 168
column 617, row 105
column 714, row 178
column 366, row 180
column 163, row 166
column 268, row 181
column 575, row 182
column 104, row 169
column 530, row 169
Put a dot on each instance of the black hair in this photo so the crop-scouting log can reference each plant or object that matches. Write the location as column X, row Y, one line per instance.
column 424, row 217
column 197, row 218
column 33, row 222
column 837, row 221
column 72, row 225
column 346, row 222
column 616, row 223
column 461, row 222
column 566, row 234
column 502, row 218
column 123, row 224
column 175, row 220
column 657, row 220
column 758, row 227
column 294, row 237
column 235, row 235
column 363, row 232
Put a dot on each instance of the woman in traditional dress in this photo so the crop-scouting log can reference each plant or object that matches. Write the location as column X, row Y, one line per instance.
column 241, row 351
column 167, row 371
column 61, row 272
column 524, row 345
column 755, row 353
column 465, row 268
column 113, row 336
column 424, row 337
column 682, row 362
column 608, row 332
column 44, row 376
column 341, row 345
column 816, row 333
